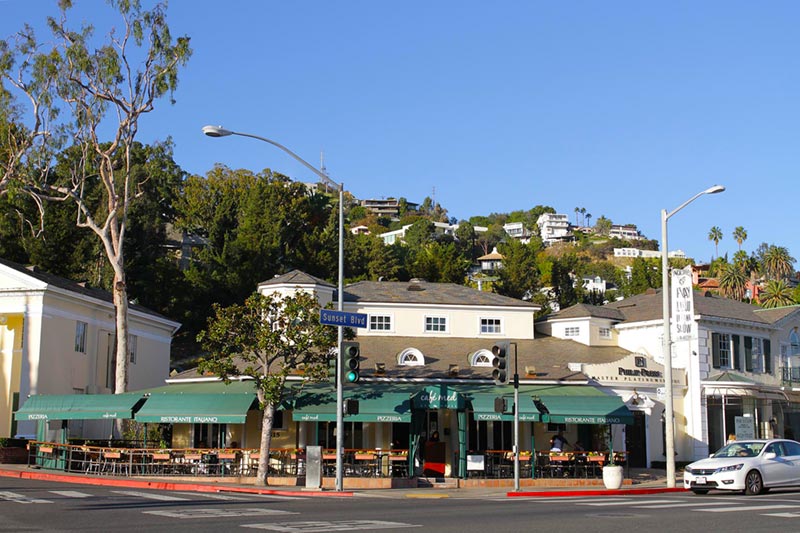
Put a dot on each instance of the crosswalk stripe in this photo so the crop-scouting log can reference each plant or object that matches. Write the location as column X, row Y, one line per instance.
column 150, row 495
column 625, row 502
column 278, row 497
column 214, row 496
column 671, row 505
column 70, row 493
column 20, row 498
column 746, row 508
column 783, row 515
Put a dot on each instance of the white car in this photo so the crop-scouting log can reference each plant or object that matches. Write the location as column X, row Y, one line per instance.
column 751, row 466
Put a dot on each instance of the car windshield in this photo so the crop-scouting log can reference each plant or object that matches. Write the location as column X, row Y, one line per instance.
column 740, row 449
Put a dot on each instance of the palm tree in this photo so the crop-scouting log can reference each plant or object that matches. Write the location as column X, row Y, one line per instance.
column 739, row 235
column 577, row 210
column 583, row 212
column 588, row 218
column 777, row 293
column 732, row 281
column 715, row 234
column 777, row 263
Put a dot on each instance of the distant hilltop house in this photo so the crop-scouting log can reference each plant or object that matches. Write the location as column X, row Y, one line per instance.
column 517, row 231
column 627, row 232
column 491, row 262
column 359, row 230
column 387, row 207
column 439, row 228
column 647, row 254
column 554, row 228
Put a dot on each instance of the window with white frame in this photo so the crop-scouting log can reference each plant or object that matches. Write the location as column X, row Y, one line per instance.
column 80, row 336
column 721, row 347
column 572, row 331
column 411, row 357
column 380, row 323
column 794, row 340
column 133, row 347
column 435, row 324
column 481, row 358
column 491, row 325
column 758, row 356
column 605, row 333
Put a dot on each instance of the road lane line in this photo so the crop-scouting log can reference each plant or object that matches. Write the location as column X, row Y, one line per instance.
column 746, row 508
column 70, row 493
column 626, row 502
column 150, row 496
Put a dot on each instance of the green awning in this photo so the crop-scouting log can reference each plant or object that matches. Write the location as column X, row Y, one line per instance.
column 78, row 406
column 589, row 409
column 483, row 407
column 374, row 405
column 180, row 408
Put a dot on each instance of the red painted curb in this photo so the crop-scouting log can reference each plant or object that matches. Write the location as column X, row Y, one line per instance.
column 567, row 493
column 162, row 485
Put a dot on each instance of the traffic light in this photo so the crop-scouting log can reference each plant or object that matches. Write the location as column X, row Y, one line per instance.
column 500, row 405
column 333, row 370
column 351, row 362
column 500, row 363
column 350, row 407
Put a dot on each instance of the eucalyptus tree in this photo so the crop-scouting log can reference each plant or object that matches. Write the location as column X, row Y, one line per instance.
column 739, row 235
column 732, row 281
column 776, row 293
column 715, row 235
column 74, row 90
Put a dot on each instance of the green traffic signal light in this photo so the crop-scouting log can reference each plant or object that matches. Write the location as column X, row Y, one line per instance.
column 351, row 362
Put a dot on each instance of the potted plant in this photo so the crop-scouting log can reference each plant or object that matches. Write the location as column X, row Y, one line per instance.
column 612, row 472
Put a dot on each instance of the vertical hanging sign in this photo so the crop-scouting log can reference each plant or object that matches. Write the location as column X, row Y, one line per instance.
column 682, row 305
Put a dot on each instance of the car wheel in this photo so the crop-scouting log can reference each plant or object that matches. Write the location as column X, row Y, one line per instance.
column 700, row 491
column 753, row 484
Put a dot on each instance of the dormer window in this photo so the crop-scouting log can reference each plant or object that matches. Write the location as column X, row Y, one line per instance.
column 411, row 357
column 481, row 358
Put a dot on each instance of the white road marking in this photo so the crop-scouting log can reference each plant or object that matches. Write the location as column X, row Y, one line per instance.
column 71, row 493
column 746, row 508
column 278, row 497
column 783, row 515
column 323, row 526
column 676, row 504
column 20, row 498
column 625, row 502
column 215, row 496
column 150, row 495
column 216, row 513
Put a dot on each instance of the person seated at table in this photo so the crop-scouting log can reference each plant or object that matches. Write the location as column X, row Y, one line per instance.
column 558, row 442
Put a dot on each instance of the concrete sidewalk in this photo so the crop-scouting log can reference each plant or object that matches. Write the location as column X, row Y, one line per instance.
column 642, row 481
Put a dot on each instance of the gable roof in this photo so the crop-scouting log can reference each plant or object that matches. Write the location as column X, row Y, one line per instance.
column 51, row 280
column 778, row 313
column 587, row 311
column 296, row 277
column 422, row 292
column 647, row 306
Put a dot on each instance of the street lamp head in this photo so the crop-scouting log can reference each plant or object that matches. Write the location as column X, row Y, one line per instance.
column 714, row 190
column 216, row 131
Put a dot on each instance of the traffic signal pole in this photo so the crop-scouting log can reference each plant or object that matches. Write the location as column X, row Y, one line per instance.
column 516, row 420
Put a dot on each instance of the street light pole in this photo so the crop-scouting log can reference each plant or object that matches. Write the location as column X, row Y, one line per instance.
column 219, row 131
column 669, row 426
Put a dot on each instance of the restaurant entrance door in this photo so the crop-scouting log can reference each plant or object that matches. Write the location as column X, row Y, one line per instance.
column 636, row 441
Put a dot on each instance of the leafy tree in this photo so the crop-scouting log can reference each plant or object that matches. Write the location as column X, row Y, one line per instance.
column 491, row 238
column 777, row 293
column 645, row 274
column 777, row 263
column 602, row 226
column 438, row 262
column 715, row 235
column 519, row 277
column 563, row 281
column 419, row 234
column 739, row 235
column 74, row 91
column 732, row 281
column 267, row 339
column 465, row 240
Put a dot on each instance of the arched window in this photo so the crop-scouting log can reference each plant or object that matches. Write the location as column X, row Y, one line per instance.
column 411, row 357
column 481, row 358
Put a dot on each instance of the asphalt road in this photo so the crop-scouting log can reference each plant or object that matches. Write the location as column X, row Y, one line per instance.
column 29, row 505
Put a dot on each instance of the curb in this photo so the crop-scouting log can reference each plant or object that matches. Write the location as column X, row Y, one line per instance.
column 568, row 493
column 164, row 485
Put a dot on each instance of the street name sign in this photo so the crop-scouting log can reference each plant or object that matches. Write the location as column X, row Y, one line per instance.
column 341, row 318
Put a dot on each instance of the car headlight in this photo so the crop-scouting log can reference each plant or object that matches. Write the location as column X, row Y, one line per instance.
column 688, row 469
column 730, row 468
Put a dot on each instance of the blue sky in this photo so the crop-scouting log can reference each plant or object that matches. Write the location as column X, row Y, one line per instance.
column 624, row 108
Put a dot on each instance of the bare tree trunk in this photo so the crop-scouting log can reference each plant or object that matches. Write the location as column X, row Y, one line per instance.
column 266, row 440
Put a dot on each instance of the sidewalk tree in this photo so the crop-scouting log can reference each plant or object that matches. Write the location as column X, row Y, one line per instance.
column 70, row 93
column 267, row 339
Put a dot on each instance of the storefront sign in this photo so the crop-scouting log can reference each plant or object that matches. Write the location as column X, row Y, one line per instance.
column 592, row 420
column 745, row 427
column 388, row 418
column 640, row 372
column 682, row 304
column 189, row 419
column 438, row 398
